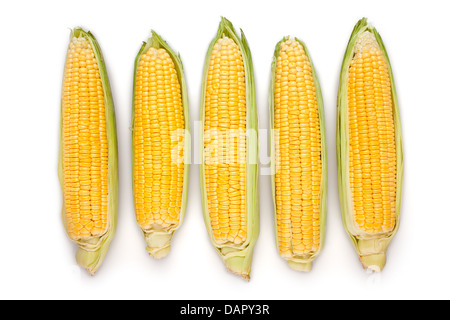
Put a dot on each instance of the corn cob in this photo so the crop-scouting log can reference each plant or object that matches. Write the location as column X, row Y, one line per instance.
column 88, row 169
column 229, row 146
column 369, row 147
column 160, row 149
column 298, row 155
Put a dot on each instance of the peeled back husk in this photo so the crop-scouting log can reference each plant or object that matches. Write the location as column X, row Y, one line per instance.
column 371, row 248
column 91, row 252
column 159, row 239
column 237, row 257
column 299, row 262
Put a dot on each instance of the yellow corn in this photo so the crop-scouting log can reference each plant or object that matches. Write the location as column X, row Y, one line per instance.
column 225, row 112
column 229, row 145
column 300, row 160
column 158, row 144
column 372, row 138
column 85, row 149
column 86, row 158
column 370, row 158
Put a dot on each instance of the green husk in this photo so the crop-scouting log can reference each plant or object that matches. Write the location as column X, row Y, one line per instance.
column 370, row 248
column 159, row 240
column 91, row 252
column 237, row 258
column 304, row 262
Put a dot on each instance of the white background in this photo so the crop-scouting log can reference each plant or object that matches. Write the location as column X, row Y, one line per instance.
column 37, row 260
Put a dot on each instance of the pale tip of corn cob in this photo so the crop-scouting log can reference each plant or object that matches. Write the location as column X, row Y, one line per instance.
column 372, row 253
column 374, row 262
column 158, row 243
column 91, row 260
column 239, row 265
column 300, row 266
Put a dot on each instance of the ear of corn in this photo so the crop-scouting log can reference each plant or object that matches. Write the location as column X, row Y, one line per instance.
column 229, row 146
column 88, row 169
column 161, row 144
column 369, row 147
column 298, row 155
